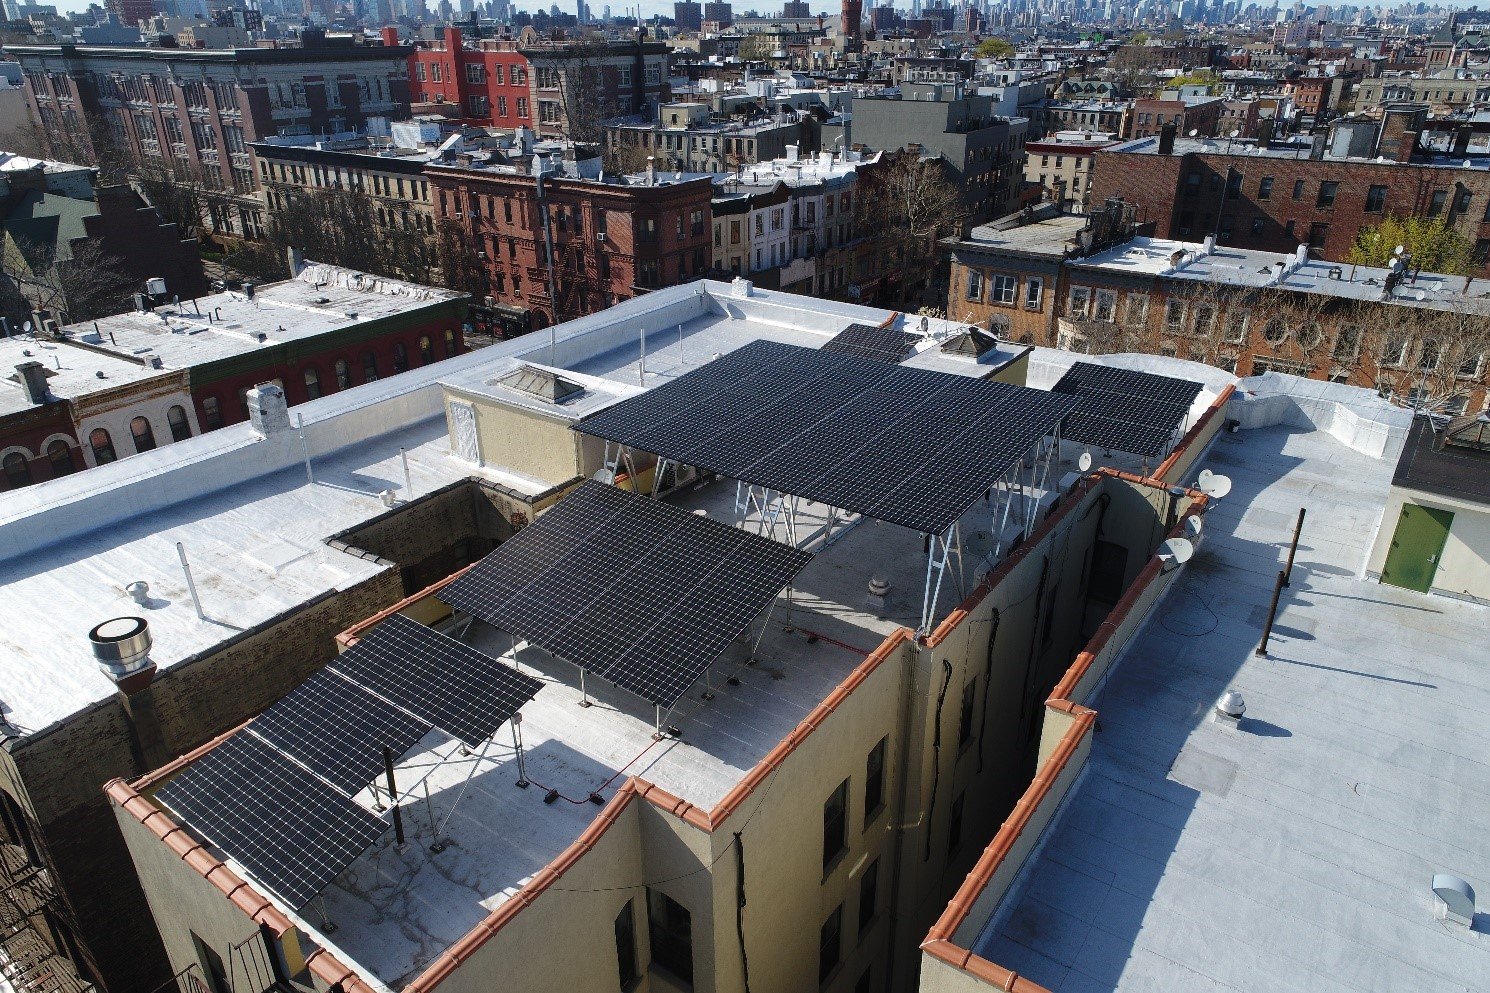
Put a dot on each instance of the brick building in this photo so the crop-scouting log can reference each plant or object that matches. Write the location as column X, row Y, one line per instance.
column 192, row 112
column 1320, row 191
column 611, row 238
column 577, row 85
column 1201, row 114
column 489, row 83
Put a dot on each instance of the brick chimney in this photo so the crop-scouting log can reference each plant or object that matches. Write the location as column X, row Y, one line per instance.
column 33, row 377
column 1166, row 138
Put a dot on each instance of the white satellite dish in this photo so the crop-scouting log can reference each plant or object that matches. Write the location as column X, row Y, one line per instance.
column 604, row 476
column 1085, row 462
column 1193, row 527
column 1175, row 552
column 1213, row 485
column 27, row 327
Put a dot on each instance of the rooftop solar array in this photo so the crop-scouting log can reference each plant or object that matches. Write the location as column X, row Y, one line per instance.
column 1125, row 410
column 638, row 592
column 291, row 831
column 908, row 446
column 870, row 342
column 277, row 797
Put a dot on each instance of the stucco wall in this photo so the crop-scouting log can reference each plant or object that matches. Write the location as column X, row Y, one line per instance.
column 1464, row 566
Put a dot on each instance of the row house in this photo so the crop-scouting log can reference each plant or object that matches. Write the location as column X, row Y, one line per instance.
column 686, row 137
column 488, row 84
column 192, row 113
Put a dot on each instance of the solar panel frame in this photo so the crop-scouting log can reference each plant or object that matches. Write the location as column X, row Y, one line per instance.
column 463, row 692
column 1125, row 409
column 883, row 344
column 647, row 595
column 851, row 432
column 293, row 833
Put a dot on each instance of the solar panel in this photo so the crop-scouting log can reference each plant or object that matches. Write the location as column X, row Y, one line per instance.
column 289, row 830
column 908, row 446
column 870, row 342
column 452, row 686
column 638, row 592
column 1124, row 409
column 338, row 730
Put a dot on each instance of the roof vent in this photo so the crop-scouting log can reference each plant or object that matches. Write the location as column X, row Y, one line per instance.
column 122, row 646
column 973, row 342
column 544, row 384
column 1230, row 708
column 1454, row 899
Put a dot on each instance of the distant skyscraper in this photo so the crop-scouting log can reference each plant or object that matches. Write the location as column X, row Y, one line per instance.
column 131, row 12
column 581, row 12
column 796, row 8
column 688, row 14
column 722, row 13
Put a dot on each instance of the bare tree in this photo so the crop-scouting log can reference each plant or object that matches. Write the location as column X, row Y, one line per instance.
column 1133, row 68
column 76, row 282
column 461, row 263
column 906, row 205
column 586, row 89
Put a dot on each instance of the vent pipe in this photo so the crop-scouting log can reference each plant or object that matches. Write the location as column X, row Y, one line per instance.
column 121, row 646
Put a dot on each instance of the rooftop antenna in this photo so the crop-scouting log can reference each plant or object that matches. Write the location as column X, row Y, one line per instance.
column 1084, row 463
column 641, row 362
column 1213, row 485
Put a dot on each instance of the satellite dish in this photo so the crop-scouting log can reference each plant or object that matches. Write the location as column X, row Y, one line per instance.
column 1235, row 133
column 1085, row 462
column 1176, row 552
column 1213, row 485
column 1420, row 296
column 27, row 327
column 1194, row 132
column 1193, row 527
column 604, row 476
column 925, row 325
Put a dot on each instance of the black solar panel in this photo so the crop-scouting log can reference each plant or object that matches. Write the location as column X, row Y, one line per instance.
column 1125, row 410
column 452, row 686
column 638, row 592
column 338, row 730
column 291, row 831
column 870, row 342
column 908, row 446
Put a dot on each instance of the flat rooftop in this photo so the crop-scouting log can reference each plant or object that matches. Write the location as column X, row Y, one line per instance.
column 71, row 371
column 1477, row 158
column 1294, row 852
column 1044, row 237
column 319, row 300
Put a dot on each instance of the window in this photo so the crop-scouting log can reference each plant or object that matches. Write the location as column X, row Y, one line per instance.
column 1257, row 225
column 475, row 72
column 1236, row 326
column 1318, row 232
column 670, row 931
column 1265, row 188
column 102, row 445
column 954, row 829
column 1428, row 359
column 478, row 106
column 1394, row 351
column 400, row 357
column 874, row 781
column 369, row 367
column 1275, row 331
column 1080, row 300
column 522, row 106
column 974, row 285
column 144, row 434
column 211, row 413
column 965, row 716
column 1106, row 308
column 1298, row 189
column 1376, row 199
column 1205, row 319
column 426, row 350
column 868, row 896
column 343, row 374
column 312, row 383
column 835, row 825
column 1137, row 312
column 17, row 470
column 59, row 453
column 1327, row 191
column 626, row 945
column 1174, row 314
column 830, row 945
column 1003, row 289
column 1435, row 204
column 180, row 426
column 1034, row 288
column 449, row 343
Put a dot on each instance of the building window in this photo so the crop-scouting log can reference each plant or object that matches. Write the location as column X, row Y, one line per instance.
column 835, row 825
column 1174, row 314
column 626, row 945
column 974, row 285
column 1257, row 225
column 211, row 413
column 1376, row 200
column 102, row 445
column 1137, row 310
column 1435, row 205
column 868, row 896
column 1034, row 288
column 312, row 383
column 343, row 374
column 1298, row 189
column 1327, row 191
column 1275, row 331
column 874, row 781
column 180, row 426
column 475, row 72
column 1265, row 188
column 426, row 350
column 144, row 434
column 17, row 470
column 449, row 343
column 1003, row 289
column 670, row 930
column 1317, row 234
column 400, row 357
column 1106, row 308
column 830, row 945
column 1080, row 301
column 369, row 367
column 59, row 453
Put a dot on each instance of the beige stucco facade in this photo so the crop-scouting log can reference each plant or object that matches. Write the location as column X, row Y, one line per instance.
column 1464, row 567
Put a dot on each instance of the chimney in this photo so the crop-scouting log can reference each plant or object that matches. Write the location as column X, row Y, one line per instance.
column 1408, row 146
column 1318, row 142
column 268, row 411
column 248, row 290
column 1265, row 133
column 1166, row 138
column 33, row 377
column 1462, row 134
column 651, row 171
column 122, row 647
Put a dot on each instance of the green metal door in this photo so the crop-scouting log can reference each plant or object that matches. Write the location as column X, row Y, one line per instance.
column 1417, row 546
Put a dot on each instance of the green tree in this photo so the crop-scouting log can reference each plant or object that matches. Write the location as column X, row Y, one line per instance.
column 1432, row 245
column 994, row 48
column 1197, row 77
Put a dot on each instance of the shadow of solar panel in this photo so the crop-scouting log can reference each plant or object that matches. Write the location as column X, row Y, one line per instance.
column 643, row 594
column 870, row 342
column 338, row 730
column 290, row 831
column 461, row 691
column 847, row 431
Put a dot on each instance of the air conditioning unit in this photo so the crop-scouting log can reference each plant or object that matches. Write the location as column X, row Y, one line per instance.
column 599, row 235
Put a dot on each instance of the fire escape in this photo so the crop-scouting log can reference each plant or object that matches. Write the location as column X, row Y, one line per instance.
column 28, row 961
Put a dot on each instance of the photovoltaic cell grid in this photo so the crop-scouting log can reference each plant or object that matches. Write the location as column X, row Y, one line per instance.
column 291, row 831
column 277, row 796
column 870, row 342
column 635, row 591
column 908, row 446
column 1125, row 410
